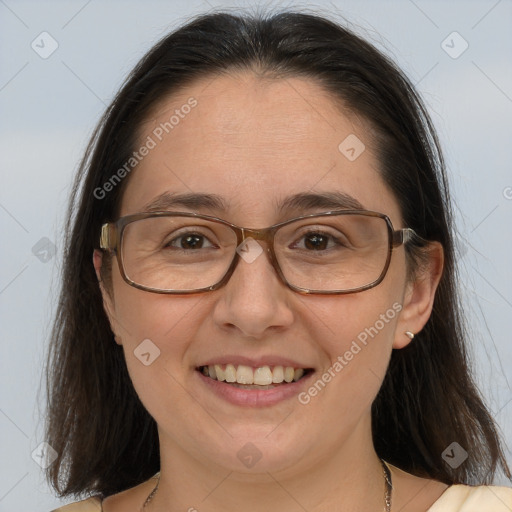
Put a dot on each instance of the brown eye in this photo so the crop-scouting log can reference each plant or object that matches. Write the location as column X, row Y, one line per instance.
column 189, row 241
column 316, row 241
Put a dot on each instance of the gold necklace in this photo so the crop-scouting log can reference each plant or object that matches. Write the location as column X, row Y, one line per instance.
column 387, row 492
column 389, row 486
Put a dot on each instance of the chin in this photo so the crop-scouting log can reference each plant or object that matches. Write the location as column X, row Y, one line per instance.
column 254, row 451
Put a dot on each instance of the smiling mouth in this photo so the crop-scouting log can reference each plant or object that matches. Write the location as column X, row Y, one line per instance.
column 246, row 377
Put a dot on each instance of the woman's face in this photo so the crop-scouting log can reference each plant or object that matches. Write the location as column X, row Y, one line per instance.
column 254, row 143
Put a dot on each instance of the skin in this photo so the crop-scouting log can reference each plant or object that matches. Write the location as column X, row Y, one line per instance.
column 254, row 141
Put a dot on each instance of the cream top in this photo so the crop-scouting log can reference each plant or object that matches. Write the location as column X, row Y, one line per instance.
column 457, row 498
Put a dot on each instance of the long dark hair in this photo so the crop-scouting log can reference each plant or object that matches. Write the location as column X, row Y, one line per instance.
column 105, row 439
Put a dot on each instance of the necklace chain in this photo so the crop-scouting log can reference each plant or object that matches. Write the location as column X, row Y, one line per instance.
column 387, row 492
column 152, row 493
column 389, row 485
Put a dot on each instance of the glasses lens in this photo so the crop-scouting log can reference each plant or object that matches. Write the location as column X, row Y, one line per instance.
column 177, row 253
column 339, row 252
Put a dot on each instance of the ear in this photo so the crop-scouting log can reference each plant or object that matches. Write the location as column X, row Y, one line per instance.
column 108, row 298
column 419, row 295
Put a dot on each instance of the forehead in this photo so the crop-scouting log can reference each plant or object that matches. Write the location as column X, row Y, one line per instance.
column 254, row 142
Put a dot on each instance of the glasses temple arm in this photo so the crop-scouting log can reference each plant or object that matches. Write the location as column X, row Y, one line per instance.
column 108, row 237
column 402, row 236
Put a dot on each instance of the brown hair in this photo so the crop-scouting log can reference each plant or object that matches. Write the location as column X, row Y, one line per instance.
column 105, row 439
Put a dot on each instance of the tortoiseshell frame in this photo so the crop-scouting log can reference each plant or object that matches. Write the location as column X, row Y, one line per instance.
column 112, row 232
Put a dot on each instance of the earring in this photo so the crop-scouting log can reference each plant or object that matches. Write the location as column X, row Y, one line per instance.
column 409, row 334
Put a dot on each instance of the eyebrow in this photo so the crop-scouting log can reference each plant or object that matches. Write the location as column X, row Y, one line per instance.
column 322, row 200
column 303, row 202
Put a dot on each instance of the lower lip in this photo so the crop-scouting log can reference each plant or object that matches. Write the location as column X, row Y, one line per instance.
column 255, row 397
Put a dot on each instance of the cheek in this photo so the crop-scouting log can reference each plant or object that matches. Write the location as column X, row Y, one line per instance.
column 366, row 331
column 356, row 336
column 157, row 334
column 145, row 315
column 340, row 324
column 155, row 329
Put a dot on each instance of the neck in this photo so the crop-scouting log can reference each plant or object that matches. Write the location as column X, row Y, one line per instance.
column 352, row 475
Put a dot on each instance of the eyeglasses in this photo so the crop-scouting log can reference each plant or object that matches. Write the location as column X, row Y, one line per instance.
column 335, row 252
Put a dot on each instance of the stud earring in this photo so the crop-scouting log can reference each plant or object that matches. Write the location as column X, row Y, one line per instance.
column 409, row 334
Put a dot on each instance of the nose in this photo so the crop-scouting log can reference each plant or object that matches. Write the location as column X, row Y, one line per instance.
column 254, row 301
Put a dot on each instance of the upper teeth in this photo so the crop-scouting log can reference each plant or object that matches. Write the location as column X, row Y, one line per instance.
column 262, row 376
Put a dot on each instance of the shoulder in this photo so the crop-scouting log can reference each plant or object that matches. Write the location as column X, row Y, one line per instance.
column 116, row 502
column 88, row 505
column 466, row 498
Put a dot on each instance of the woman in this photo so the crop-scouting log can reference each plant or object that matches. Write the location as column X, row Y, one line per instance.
column 204, row 362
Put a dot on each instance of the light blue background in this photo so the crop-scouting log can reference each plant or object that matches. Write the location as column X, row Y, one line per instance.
column 48, row 108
